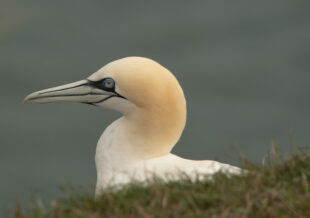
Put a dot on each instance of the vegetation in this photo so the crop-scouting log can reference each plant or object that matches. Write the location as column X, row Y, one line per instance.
column 281, row 188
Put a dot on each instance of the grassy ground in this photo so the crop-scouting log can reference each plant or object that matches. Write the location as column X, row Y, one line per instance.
column 278, row 189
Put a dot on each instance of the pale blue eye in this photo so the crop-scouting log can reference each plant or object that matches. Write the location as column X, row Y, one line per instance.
column 108, row 84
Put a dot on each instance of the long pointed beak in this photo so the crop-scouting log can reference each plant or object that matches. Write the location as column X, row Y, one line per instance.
column 82, row 91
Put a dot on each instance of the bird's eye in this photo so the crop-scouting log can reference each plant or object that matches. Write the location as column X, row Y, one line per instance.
column 108, row 84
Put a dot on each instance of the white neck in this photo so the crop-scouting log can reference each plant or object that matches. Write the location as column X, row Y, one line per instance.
column 119, row 147
column 128, row 141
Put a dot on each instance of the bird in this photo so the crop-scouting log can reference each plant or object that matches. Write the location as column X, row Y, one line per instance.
column 137, row 146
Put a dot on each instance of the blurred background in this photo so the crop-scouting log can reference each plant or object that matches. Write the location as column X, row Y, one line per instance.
column 244, row 67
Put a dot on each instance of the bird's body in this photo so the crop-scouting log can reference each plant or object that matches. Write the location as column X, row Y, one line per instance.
column 118, row 164
column 137, row 146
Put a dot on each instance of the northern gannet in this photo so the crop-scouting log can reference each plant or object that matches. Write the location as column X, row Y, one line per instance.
column 138, row 144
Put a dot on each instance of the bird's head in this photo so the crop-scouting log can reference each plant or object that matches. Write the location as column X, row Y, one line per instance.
column 122, row 85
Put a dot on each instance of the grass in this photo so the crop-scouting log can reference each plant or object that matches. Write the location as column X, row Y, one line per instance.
column 281, row 188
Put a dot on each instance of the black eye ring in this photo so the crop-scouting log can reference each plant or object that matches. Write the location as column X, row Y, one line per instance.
column 107, row 84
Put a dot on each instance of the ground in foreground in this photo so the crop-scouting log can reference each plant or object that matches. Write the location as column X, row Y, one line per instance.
column 280, row 189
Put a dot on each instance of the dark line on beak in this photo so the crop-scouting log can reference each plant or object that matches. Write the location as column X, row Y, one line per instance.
column 72, row 95
column 97, row 102
column 65, row 88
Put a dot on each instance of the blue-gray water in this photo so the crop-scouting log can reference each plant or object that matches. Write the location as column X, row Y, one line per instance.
column 244, row 67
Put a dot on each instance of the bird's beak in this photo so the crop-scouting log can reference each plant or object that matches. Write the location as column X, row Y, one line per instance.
column 83, row 91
